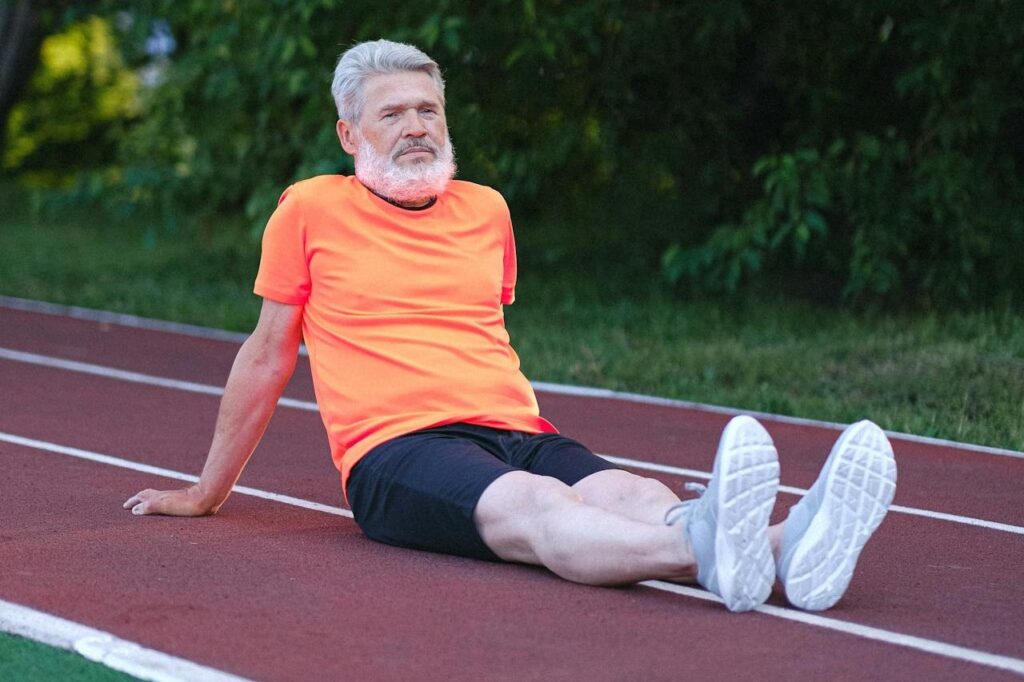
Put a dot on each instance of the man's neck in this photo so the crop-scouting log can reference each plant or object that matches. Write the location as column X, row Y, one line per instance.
column 414, row 205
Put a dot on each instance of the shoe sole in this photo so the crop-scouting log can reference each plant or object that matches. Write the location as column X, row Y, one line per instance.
column 860, row 485
column 747, row 470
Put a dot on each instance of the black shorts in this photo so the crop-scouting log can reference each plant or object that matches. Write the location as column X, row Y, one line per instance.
column 420, row 490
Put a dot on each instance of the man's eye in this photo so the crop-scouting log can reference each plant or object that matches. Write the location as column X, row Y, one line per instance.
column 391, row 114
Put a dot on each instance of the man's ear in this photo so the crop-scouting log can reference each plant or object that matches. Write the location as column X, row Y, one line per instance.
column 347, row 137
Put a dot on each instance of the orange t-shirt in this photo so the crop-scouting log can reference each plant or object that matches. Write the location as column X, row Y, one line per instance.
column 402, row 311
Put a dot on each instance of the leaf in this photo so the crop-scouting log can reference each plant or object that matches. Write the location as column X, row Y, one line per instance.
column 815, row 222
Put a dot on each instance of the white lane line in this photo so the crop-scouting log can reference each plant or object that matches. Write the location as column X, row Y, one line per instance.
column 137, row 322
column 167, row 473
column 308, row 406
column 105, row 648
column 931, row 646
column 133, row 377
column 878, row 634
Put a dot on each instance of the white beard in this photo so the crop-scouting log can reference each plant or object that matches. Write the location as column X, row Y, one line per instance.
column 406, row 184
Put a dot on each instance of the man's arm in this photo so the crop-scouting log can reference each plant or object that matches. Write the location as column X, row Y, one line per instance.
column 262, row 368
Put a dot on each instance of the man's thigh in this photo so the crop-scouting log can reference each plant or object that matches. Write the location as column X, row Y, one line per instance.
column 421, row 490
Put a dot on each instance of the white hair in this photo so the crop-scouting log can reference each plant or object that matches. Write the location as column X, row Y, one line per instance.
column 372, row 58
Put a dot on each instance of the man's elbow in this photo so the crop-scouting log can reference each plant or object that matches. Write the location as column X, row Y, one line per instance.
column 277, row 368
column 270, row 364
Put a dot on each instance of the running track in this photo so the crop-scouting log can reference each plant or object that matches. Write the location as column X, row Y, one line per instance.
column 269, row 589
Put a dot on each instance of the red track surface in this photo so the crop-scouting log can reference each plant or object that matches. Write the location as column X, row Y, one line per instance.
column 272, row 591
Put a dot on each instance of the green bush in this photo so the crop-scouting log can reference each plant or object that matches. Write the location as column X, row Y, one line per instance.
column 895, row 170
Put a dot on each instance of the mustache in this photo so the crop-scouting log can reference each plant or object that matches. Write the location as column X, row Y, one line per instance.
column 416, row 144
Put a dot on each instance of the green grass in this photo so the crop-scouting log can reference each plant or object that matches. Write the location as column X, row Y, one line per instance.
column 953, row 374
column 27, row 661
column 96, row 262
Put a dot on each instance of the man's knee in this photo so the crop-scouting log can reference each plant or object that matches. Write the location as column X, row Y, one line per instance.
column 617, row 487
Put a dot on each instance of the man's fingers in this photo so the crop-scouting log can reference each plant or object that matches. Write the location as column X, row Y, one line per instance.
column 132, row 501
column 138, row 502
column 171, row 502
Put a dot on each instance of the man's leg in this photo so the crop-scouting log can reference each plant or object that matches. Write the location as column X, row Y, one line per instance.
column 615, row 490
column 440, row 490
column 642, row 499
column 720, row 537
column 539, row 520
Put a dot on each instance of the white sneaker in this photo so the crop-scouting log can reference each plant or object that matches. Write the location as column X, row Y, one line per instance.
column 827, row 529
column 727, row 525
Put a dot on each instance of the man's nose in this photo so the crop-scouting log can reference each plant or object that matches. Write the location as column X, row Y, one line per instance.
column 414, row 126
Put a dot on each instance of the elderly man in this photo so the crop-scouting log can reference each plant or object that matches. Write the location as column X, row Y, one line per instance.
column 396, row 279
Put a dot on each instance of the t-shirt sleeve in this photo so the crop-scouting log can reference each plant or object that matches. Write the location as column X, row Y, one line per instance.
column 508, row 277
column 284, row 270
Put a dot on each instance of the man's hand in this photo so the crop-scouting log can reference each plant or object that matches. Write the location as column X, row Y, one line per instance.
column 183, row 502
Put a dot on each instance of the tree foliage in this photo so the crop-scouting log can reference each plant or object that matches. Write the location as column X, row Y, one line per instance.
column 894, row 157
column 851, row 148
column 77, row 97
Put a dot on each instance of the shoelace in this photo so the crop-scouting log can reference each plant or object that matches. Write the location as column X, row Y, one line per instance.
column 678, row 512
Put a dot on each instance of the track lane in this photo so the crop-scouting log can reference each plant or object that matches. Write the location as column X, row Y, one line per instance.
column 291, row 403
column 206, row 390
column 171, row 429
column 162, row 427
column 340, row 612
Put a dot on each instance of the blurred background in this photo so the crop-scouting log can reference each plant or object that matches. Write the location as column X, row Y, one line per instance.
column 832, row 187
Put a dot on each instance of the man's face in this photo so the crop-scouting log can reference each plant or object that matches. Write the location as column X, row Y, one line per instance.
column 403, row 117
column 400, row 143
